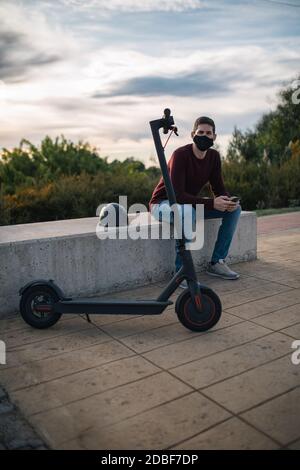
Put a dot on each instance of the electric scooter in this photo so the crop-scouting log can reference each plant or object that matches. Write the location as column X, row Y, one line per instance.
column 198, row 307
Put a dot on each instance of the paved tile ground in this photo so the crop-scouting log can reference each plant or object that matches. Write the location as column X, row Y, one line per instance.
column 270, row 223
column 148, row 383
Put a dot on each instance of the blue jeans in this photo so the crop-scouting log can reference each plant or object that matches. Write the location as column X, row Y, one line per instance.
column 227, row 228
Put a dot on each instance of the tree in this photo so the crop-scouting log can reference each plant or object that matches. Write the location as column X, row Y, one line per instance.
column 270, row 140
column 29, row 165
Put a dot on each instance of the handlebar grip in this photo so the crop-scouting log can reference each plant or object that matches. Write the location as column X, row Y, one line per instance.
column 168, row 121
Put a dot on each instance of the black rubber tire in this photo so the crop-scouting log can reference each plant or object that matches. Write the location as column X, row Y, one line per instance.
column 194, row 320
column 27, row 313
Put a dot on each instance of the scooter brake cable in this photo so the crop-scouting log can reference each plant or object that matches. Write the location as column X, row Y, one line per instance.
column 174, row 129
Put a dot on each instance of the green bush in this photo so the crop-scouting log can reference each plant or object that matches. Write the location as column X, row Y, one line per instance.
column 62, row 180
column 261, row 185
column 74, row 196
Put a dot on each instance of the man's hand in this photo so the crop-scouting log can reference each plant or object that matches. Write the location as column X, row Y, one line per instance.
column 233, row 207
column 224, row 203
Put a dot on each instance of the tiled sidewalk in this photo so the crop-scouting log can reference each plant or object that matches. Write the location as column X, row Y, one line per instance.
column 278, row 222
column 148, row 383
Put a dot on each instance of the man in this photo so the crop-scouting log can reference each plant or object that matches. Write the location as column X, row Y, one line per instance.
column 190, row 168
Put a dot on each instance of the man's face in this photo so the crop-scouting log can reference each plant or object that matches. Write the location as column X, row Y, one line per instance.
column 205, row 129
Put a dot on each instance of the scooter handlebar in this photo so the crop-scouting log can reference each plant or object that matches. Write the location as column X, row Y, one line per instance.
column 168, row 121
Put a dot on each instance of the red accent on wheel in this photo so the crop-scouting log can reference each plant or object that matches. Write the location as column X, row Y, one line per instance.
column 187, row 315
column 198, row 301
column 43, row 308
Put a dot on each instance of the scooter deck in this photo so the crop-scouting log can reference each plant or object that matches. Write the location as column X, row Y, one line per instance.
column 111, row 307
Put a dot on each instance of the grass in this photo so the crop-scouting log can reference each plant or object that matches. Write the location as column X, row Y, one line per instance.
column 283, row 210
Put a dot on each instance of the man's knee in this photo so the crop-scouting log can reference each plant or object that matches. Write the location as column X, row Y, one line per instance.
column 238, row 209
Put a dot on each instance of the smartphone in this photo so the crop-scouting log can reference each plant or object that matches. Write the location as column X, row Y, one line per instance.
column 235, row 199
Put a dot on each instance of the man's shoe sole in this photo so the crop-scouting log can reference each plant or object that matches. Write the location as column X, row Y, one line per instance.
column 223, row 277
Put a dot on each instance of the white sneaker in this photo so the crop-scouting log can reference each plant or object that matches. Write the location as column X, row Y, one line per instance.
column 220, row 269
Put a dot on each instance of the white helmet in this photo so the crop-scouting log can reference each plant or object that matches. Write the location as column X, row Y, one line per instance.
column 113, row 215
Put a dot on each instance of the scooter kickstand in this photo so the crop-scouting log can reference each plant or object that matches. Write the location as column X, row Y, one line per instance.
column 88, row 318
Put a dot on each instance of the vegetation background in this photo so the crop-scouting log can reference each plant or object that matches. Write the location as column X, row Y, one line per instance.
column 63, row 180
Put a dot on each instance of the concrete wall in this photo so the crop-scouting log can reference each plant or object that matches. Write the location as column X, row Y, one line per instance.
column 70, row 252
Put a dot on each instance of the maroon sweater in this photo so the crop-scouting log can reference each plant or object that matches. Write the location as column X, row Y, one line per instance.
column 189, row 174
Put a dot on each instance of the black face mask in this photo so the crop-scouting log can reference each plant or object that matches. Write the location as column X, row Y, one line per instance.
column 203, row 142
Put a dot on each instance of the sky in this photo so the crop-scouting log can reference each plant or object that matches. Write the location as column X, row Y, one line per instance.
column 99, row 71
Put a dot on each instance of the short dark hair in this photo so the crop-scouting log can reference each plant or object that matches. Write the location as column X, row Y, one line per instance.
column 204, row 120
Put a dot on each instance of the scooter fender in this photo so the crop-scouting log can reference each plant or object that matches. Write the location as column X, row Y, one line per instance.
column 43, row 282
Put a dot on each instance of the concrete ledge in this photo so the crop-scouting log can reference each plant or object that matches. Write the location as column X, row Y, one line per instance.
column 70, row 252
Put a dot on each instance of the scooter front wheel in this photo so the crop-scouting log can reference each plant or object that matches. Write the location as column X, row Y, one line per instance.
column 194, row 320
column 36, row 307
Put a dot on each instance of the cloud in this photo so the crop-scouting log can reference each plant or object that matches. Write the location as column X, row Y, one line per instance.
column 184, row 85
column 58, row 57
column 17, row 58
column 203, row 82
column 135, row 5
column 28, row 42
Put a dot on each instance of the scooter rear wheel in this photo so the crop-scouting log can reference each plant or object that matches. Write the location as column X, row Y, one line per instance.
column 194, row 320
column 36, row 307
